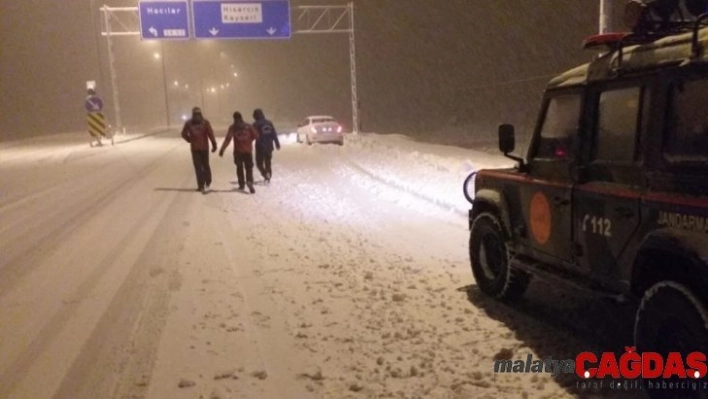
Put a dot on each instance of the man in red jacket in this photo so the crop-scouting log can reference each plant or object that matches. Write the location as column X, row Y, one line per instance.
column 198, row 132
column 243, row 136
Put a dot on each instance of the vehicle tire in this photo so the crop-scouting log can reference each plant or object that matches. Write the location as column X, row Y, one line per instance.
column 297, row 138
column 340, row 143
column 489, row 257
column 671, row 318
column 308, row 140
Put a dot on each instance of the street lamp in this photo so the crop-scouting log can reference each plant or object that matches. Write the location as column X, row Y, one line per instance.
column 160, row 56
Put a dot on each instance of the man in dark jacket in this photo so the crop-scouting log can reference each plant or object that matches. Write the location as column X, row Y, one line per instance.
column 243, row 136
column 198, row 133
column 267, row 136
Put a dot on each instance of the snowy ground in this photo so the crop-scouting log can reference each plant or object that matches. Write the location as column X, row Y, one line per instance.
column 348, row 276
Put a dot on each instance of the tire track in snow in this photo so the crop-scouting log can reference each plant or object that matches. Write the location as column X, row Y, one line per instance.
column 13, row 375
column 446, row 206
column 42, row 236
column 120, row 354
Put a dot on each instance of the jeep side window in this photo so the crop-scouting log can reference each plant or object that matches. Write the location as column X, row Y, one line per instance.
column 617, row 125
column 687, row 130
column 560, row 126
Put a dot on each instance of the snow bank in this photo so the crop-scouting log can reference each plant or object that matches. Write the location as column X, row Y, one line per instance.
column 432, row 172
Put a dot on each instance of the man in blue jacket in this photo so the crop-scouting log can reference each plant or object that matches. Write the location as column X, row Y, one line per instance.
column 267, row 137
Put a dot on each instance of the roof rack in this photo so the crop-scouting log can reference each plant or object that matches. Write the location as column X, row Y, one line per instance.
column 651, row 20
column 617, row 41
column 636, row 39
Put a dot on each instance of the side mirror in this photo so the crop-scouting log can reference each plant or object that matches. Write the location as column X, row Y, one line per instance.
column 507, row 141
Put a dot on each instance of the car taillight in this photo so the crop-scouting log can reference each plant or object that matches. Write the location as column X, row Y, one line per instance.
column 339, row 129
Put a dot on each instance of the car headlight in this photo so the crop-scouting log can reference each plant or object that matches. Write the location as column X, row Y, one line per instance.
column 313, row 130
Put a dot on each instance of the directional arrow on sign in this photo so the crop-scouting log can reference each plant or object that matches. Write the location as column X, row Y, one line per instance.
column 213, row 31
column 271, row 31
column 153, row 31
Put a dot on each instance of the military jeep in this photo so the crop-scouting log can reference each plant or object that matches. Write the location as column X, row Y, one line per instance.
column 612, row 195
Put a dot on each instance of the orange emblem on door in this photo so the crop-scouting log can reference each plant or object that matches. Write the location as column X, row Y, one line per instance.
column 540, row 218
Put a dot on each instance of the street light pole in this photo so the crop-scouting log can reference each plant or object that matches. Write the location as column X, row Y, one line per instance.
column 164, row 81
column 201, row 91
column 98, row 42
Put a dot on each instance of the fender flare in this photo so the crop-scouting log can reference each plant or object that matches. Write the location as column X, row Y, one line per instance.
column 494, row 199
column 682, row 244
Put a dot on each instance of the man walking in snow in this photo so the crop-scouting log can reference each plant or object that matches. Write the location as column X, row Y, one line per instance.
column 198, row 133
column 267, row 136
column 243, row 136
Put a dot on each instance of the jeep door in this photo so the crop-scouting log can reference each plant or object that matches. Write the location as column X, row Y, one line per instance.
column 546, row 196
column 606, row 201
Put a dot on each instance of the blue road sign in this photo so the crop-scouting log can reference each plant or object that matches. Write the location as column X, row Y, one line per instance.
column 163, row 20
column 241, row 19
column 93, row 103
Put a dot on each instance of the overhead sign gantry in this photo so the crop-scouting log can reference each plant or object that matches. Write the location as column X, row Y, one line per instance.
column 227, row 19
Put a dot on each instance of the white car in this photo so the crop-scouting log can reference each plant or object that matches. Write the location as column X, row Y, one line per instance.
column 320, row 129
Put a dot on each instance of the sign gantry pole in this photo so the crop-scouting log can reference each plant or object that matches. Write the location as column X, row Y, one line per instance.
column 112, row 67
column 352, row 68
column 333, row 19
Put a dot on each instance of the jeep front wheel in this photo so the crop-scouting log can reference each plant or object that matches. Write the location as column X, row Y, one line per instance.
column 490, row 260
column 671, row 319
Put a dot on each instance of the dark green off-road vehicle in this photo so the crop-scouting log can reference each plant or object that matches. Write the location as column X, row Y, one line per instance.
column 612, row 195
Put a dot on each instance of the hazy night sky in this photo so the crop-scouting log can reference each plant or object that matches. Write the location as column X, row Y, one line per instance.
column 424, row 66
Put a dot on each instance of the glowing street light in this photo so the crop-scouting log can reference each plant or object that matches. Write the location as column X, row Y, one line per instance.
column 176, row 83
column 156, row 55
column 235, row 74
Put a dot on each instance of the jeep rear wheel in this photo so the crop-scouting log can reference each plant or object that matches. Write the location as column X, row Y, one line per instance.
column 671, row 319
column 489, row 257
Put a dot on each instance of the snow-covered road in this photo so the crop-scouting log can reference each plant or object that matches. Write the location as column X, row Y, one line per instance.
column 347, row 276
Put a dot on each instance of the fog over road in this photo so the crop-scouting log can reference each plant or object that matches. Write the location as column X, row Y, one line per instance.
column 119, row 280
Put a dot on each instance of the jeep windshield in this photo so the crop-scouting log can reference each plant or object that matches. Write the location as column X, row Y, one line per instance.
column 687, row 127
